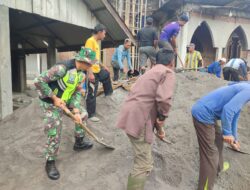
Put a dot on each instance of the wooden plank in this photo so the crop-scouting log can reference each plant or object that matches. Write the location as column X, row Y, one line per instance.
column 76, row 9
column 13, row 4
column 101, row 91
column 69, row 12
column 63, row 9
column 8, row 3
column 37, row 7
column 52, row 6
column 25, row 5
column 43, row 7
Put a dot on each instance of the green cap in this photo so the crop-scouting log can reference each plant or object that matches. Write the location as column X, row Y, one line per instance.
column 86, row 55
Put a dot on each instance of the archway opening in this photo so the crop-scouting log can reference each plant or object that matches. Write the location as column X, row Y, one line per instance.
column 203, row 41
column 237, row 44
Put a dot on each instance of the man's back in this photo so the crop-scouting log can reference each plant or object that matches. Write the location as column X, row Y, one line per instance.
column 145, row 88
column 169, row 31
column 93, row 45
column 146, row 36
column 234, row 63
column 215, row 68
column 239, row 65
column 119, row 51
column 215, row 101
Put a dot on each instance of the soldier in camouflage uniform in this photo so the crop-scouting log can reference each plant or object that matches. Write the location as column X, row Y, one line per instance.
column 59, row 87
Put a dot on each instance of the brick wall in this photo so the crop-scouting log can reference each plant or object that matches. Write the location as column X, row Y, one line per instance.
column 107, row 57
column 65, row 55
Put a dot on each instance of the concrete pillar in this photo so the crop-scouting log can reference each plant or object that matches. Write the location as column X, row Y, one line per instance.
column 182, row 44
column 19, row 80
column 219, row 52
column 39, row 63
column 22, row 71
column 51, row 54
column 6, row 104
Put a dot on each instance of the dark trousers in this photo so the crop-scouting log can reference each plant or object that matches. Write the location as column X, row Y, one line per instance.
column 92, row 91
column 165, row 44
column 116, row 73
column 231, row 74
column 210, row 149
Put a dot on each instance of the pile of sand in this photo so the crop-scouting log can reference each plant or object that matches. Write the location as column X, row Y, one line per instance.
column 176, row 165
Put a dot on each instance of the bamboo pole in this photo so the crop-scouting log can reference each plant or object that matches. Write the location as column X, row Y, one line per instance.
column 127, row 11
column 146, row 5
column 141, row 13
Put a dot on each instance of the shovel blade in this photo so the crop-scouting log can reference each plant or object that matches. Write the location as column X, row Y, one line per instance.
column 105, row 145
column 239, row 151
column 163, row 140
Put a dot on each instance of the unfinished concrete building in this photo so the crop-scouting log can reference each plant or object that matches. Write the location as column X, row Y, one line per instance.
column 48, row 26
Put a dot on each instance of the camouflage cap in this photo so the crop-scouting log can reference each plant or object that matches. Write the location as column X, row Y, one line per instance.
column 86, row 55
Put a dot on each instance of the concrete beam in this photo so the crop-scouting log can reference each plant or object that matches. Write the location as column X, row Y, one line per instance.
column 71, row 12
column 6, row 104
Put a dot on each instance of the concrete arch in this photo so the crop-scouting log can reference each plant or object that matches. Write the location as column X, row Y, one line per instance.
column 204, row 42
column 241, row 33
column 207, row 27
column 237, row 43
column 203, row 23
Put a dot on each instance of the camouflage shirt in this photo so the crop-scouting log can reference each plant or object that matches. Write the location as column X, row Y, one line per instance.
column 54, row 73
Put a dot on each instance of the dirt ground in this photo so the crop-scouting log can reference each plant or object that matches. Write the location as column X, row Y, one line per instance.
column 175, row 165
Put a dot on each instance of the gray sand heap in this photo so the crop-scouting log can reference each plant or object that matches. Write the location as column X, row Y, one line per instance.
column 175, row 168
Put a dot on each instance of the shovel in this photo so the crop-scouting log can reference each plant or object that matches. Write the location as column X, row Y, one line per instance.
column 182, row 64
column 68, row 112
column 239, row 151
column 163, row 140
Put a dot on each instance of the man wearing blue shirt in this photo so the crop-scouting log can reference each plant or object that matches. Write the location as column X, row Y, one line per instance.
column 222, row 104
column 216, row 67
column 118, row 57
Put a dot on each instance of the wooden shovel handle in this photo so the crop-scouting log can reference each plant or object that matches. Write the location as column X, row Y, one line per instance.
column 180, row 60
column 68, row 112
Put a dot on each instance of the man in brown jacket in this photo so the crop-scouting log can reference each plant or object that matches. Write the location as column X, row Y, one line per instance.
column 146, row 106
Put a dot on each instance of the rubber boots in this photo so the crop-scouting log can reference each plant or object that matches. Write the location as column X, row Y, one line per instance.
column 136, row 183
column 51, row 170
column 82, row 143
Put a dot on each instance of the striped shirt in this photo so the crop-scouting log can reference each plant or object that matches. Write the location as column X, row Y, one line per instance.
column 192, row 59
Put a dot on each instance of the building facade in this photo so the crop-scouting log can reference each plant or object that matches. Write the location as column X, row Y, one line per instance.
column 218, row 28
column 29, row 27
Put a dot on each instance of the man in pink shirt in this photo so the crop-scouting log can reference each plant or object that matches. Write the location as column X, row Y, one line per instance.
column 146, row 106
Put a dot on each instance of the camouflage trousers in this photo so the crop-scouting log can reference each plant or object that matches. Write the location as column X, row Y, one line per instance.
column 53, row 128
